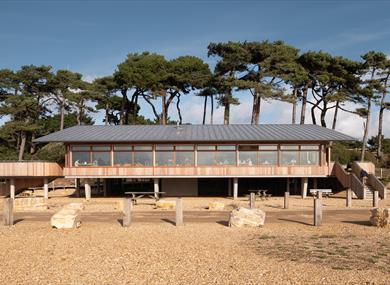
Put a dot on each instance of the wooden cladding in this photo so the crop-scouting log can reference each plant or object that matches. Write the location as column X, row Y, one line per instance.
column 203, row 171
column 30, row 169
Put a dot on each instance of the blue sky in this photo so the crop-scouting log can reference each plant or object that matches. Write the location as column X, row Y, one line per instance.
column 92, row 37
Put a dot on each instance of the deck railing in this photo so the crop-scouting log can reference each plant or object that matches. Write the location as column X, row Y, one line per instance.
column 30, row 168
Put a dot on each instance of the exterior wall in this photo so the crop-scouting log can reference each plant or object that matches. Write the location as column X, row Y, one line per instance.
column 30, row 169
column 179, row 186
column 212, row 171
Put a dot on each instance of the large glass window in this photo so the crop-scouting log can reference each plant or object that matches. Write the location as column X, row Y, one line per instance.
column 123, row 155
column 248, row 155
column 268, row 157
column 310, row 155
column 101, row 158
column 81, row 158
column 143, row 155
column 217, row 155
column 184, row 155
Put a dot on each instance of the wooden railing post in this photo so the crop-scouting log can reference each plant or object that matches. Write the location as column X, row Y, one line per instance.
column 8, row 214
column 375, row 199
column 127, row 205
column 179, row 212
column 252, row 198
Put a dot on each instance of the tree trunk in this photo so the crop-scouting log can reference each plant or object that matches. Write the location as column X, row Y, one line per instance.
column 335, row 115
column 32, row 146
column 212, row 110
column 204, row 110
column 294, row 107
column 123, row 107
column 226, row 114
column 62, row 114
column 135, row 105
column 163, row 116
column 179, row 110
column 313, row 115
column 256, row 109
column 323, row 114
column 366, row 129
column 303, row 108
column 379, row 153
column 106, row 118
column 22, row 145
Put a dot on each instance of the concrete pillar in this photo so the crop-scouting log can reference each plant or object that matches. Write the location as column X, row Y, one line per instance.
column 235, row 188
column 230, row 194
column 156, row 187
column 127, row 207
column 87, row 189
column 286, row 196
column 288, row 185
column 179, row 212
column 252, row 199
column 318, row 210
column 46, row 188
column 12, row 188
column 304, row 187
column 375, row 199
column 349, row 197
column 105, row 187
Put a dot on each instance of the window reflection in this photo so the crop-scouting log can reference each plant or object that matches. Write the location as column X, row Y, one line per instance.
column 268, row 157
column 164, row 158
column 80, row 158
column 290, row 157
column 184, row 158
column 122, row 158
column 101, row 158
column 143, row 159
column 309, row 158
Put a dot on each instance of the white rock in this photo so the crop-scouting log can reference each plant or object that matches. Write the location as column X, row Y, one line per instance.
column 246, row 217
column 66, row 219
column 216, row 206
column 380, row 217
column 166, row 204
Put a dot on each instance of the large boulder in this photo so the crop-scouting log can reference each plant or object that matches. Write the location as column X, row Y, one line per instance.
column 380, row 217
column 66, row 219
column 246, row 217
column 166, row 204
column 216, row 206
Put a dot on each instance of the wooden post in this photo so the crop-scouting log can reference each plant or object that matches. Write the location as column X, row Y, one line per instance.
column 127, row 207
column 46, row 188
column 87, row 189
column 349, row 197
column 156, row 187
column 304, row 187
column 8, row 214
column 375, row 199
column 286, row 197
column 318, row 210
column 179, row 212
column 235, row 188
column 252, row 199
column 12, row 188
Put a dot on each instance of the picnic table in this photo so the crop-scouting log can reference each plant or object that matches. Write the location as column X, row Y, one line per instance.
column 262, row 193
column 138, row 195
column 324, row 192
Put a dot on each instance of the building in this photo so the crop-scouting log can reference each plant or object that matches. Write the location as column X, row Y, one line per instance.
column 192, row 160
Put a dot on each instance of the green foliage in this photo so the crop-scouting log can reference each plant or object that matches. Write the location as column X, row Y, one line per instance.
column 51, row 152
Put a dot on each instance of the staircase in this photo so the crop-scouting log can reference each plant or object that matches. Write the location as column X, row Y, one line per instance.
column 369, row 192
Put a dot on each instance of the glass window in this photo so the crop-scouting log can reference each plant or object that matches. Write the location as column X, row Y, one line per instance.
column 268, row 157
column 143, row 147
column 206, row 158
column 184, row 158
column 184, row 147
column 290, row 157
column 101, row 158
column 310, row 147
column 164, row 158
column 226, row 147
column 206, row 147
column 289, row 147
column 143, row 158
column 123, row 147
column 225, row 158
column 310, row 158
column 123, row 158
column 81, row 158
column 81, row 147
column 101, row 148
column 164, row 147
column 268, row 147
column 248, row 158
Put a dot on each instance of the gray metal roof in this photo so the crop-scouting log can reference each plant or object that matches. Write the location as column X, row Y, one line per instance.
column 196, row 133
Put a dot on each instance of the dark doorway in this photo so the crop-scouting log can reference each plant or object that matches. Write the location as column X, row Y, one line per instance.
column 213, row 186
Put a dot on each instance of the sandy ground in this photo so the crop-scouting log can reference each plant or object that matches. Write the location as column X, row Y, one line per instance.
column 105, row 253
